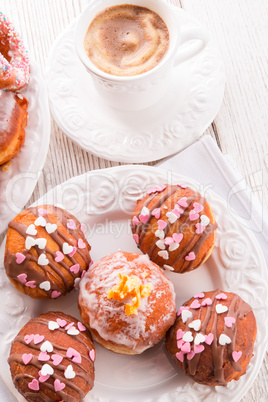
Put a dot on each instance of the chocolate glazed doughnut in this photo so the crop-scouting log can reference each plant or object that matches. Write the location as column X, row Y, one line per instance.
column 46, row 252
column 175, row 226
column 213, row 337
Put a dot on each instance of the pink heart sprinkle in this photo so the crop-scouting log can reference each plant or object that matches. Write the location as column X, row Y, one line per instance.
column 199, row 296
column 199, row 348
column 28, row 338
column 84, row 272
column 206, row 302
column 69, row 326
column 190, row 355
column 209, row 338
column 55, row 294
column 92, row 355
column 157, row 189
column 81, row 327
column 81, row 244
column 57, row 359
column 156, row 213
column 199, row 228
column 43, row 357
column 31, row 284
column 72, row 252
column 61, row 322
column 198, row 207
column 177, row 237
column 180, row 356
column 26, row 358
column 180, row 343
column 75, row 268
column 190, row 256
column 169, row 240
column 182, row 308
column 34, row 385
column 176, row 212
column 193, row 215
column 180, row 334
column 42, row 211
column 135, row 221
column 144, row 218
column 236, row 355
column 22, row 278
column 136, row 237
column 71, row 352
column 229, row 321
column 221, row 296
column 59, row 386
column 59, row 257
column 43, row 378
column 161, row 224
column 195, row 304
column 179, row 209
column 20, row 258
column 38, row 338
column 186, row 348
column 183, row 202
column 82, row 228
column 71, row 224
column 77, row 359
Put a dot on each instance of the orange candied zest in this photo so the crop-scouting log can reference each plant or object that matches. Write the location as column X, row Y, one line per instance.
column 130, row 286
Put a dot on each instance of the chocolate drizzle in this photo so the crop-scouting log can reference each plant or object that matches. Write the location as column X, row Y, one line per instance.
column 80, row 369
column 60, row 271
column 237, row 309
column 182, row 224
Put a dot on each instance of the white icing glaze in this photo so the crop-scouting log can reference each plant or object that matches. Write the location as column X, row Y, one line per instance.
column 102, row 276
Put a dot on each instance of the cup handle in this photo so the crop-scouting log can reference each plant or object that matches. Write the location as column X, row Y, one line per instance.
column 200, row 38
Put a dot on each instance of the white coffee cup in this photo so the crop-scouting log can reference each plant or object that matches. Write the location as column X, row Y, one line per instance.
column 143, row 90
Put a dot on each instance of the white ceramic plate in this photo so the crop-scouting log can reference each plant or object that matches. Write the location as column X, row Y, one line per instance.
column 104, row 201
column 18, row 179
column 165, row 128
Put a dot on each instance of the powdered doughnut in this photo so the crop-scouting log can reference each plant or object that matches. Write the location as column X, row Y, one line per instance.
column 14, row 61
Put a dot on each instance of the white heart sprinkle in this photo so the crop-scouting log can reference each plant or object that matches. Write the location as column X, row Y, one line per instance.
column 161, row 244
column 72, row 331
column 168, row 268
column 220, row 308
column 40, row 221
column 46, row 285
column 188, row 337
column 196, row 324
column 47, row 370
column 69, row 372
column 171, row 217
column 145, row 211
column 53, row 325
column 29, row 242
column 51, row 227
column 31, row 230
column 185, row 314
column 199, row 339
column 204, row 220
column 160, row 234
column 42, row 260
column 41, row 242
column 173, row 246
column 163, row 254
column 66, row 248
column 46, row 347
column 76, row 282
column 224, row 339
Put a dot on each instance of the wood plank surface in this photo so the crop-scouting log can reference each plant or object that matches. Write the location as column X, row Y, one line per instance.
column 240, row 129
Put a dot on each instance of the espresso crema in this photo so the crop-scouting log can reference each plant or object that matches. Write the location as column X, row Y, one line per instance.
column 126, row 40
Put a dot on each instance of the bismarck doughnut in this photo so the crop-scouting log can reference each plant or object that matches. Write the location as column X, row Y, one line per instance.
column 52, row 359
column 175, row 226
column 127, row 302
column 13, row 119
column 46, row 252
column 14, row 60
column 213, row 337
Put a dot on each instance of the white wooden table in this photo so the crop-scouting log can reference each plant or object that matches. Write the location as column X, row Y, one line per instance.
column 240, row 128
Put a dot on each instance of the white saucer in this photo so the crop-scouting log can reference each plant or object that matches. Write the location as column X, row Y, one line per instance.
column 104, row 200
column 165, row 128
column 19, row 177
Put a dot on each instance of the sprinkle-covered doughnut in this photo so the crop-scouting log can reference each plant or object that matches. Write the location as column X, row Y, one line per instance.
column 14, row 60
